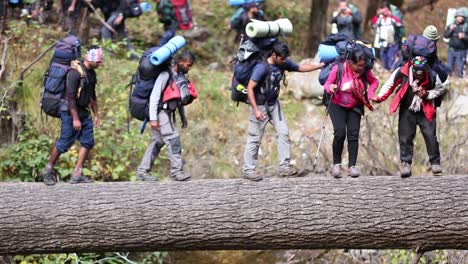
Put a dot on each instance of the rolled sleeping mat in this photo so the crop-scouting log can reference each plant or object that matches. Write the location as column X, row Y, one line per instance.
column 167, row 50
column 145, row 7
column 14, row 1
column 261, row 29
column 243, row 2
column 327, row 53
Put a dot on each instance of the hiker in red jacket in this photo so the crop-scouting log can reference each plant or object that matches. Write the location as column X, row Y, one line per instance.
column 419, row 86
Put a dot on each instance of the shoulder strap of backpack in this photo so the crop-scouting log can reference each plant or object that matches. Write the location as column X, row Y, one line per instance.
column 339, row 74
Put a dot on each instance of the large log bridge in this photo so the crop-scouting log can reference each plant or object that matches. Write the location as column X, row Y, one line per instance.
column 313, row 212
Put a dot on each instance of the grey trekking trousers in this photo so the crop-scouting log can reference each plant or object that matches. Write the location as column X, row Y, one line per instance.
column 166, row 135
column 274, row 115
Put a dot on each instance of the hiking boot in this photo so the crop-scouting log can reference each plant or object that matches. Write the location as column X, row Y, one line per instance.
column 145, row 176
column 436, row 169
column 49, row 177
column 336, row 170
column 80, row 179
column 180, row 176
column 288, row 171
column 354, row 172
column 405, row 170
column 253, row 176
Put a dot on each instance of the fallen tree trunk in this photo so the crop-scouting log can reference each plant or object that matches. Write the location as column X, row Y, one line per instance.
column 314, row 212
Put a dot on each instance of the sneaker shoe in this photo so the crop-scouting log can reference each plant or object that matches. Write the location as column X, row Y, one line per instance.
column 253, row 176
column 49, row 177
column 180, row 176
column 145, row 176
column 336, row 170
column 354, row 172
column 436, row 169
column 80, row 179
column 288, row 171
column 405, row 170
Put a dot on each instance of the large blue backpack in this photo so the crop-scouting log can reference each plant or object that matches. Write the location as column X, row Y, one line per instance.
column 55, row 77
column 143, row 82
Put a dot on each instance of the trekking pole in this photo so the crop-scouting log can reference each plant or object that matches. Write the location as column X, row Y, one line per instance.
column 101, row 19
column 321, row 134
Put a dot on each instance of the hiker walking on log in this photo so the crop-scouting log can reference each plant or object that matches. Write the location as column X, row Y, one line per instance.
column 418, row 87
column 351, row 85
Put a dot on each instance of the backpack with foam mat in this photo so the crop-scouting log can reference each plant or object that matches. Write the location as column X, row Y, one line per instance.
column 251, row 52
column 142, row 84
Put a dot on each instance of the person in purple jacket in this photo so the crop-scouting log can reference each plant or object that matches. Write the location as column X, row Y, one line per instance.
column 349, row 96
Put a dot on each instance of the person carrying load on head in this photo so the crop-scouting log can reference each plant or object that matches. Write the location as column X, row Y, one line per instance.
column 242, row 17
column 263, row 90
column 387, row 38
column 74, row 113
column 457, row 33
column 351, row 85
column 167, row 97
column 348, row 19
column 416, row 86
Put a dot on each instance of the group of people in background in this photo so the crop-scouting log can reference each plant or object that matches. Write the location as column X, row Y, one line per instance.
column 390, row 34
column 74, row 13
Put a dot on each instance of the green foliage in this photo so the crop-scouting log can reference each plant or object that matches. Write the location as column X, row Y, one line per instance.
column 94, row 258
column 24, row 160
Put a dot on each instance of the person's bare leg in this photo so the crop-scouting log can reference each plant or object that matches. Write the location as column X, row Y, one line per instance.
column 82, row 156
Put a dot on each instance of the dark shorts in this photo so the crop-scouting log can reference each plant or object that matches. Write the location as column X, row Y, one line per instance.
column 68, row 135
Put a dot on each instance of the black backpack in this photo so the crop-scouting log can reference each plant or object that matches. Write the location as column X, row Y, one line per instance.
column 52, row 99
column 142, row 83
column 259, row 49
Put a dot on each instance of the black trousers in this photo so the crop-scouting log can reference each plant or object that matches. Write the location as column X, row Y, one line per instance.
column 346, row 123
column 407, row 123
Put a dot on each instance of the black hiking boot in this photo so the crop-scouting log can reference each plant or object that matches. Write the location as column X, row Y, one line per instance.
column 253, row 176
column 49, row 177
column 80, row 179
column 181, row 176
column 145, row 176
column 288, row 171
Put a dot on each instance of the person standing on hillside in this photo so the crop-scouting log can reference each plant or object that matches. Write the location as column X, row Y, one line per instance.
column 387, row 35
column 168, row 18
column 240, row 19
column 458, row 44
column 418, row 86
column 115, row 13
column 263, row 91
column 76, row 121
column 348, row 20
column 70, row 10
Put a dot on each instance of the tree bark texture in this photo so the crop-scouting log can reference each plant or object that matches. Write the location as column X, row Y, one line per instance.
column 313, row 212
column 317, row 24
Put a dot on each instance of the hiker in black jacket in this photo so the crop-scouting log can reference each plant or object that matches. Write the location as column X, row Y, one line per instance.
column 458, row 43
